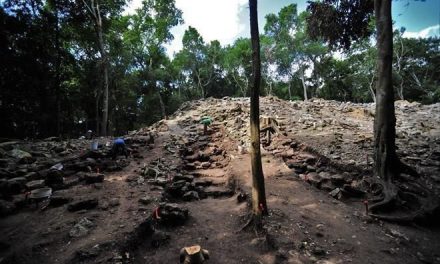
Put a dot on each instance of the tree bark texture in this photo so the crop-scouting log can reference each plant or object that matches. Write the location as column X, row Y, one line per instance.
column 58, row 71
column 95, row 13
column 370, row 87
column 304, row 85
column 386, row 162
column 104, row 62
column 162, row 106
column 259, row 205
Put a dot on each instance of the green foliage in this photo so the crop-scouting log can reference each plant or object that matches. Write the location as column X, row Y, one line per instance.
column 206, row 120
column 340, row 22
column 52, row 75
column 237, row 63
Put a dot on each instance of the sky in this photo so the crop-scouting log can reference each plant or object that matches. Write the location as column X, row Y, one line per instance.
column 226, row 20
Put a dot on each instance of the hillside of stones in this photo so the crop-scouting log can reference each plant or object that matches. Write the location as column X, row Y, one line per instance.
column 319, row 139
column 58, row 195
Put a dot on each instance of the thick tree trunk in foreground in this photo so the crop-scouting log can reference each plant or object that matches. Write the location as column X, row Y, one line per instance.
column 385, row 121
column 387, row 165
column 259, row 206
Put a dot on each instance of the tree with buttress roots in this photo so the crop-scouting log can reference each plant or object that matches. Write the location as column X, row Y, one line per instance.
column 340, row 23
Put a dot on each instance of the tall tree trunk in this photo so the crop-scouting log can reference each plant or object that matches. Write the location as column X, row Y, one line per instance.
column 259, row 205
column 289, row 88
column 401, row 90
column 373, row 94
column 97, row 116
column 399, row 57
column 95, row 13
column 57, row 70
column 386, row 161
column 304, row 85
column 162, row 106
column 104, row 62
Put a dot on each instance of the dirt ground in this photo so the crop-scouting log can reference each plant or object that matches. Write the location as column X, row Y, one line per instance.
column 305, row 224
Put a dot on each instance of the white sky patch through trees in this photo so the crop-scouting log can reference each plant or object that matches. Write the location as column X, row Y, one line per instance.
column 431, row 31
column 226, row 20
column 213, row 19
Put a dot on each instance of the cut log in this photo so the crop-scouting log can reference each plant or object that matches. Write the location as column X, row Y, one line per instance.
column 193, row 255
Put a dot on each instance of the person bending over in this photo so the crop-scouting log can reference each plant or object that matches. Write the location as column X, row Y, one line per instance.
column 119, row 148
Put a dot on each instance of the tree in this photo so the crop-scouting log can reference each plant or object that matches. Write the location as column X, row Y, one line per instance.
column 295, row 54
column 149, row 31
column 32, row 47
column 193, row 59
column 386, row 160
column 259, row 205
column 309, row 53
column 399, row 52
column 94, row 10
column 353, row 25
column 362, row 58
column 238, row 65
column 281, row 29
column 338, row 80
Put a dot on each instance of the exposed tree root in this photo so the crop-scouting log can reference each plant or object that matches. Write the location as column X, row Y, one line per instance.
column 254, row 221
column 429, row 213
column 415, row 202
column 404, row 168
column 387, row 198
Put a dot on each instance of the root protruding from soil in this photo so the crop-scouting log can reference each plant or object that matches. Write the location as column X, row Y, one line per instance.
column 405, row 203
column 253, row 221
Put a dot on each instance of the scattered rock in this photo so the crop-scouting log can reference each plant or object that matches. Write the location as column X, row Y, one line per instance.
column 172, row 214
column 217, row 191
column 146, row 200
column 93, row 178
column 59, row 200
column 187, row 178
column 352, row 191
column 337, row 179
column 22, row 156
column 35, row 184
column 336, row 193
column 202, row 182
column 314, row 179
column 82, row 228
column 205, row 165
column 318, row 251
column 191, row 196
column 114, row 202
column 82, row 205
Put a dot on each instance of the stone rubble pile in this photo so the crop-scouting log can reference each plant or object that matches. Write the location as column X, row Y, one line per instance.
column 325, row 133
column 197, row 152
column 310, row 136
column 32, row 171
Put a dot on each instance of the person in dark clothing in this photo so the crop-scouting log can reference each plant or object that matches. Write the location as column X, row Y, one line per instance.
column 119, row 148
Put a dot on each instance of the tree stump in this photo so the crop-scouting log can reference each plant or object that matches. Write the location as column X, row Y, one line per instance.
column 193, row 255
column 269, row 125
